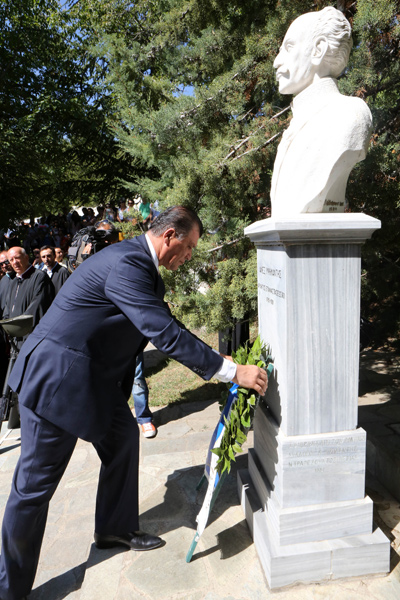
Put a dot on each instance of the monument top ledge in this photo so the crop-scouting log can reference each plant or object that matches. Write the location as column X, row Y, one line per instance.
column 311, row 228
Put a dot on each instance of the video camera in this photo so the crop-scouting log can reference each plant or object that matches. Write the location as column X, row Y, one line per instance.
column 102, row 237
column 98, row 239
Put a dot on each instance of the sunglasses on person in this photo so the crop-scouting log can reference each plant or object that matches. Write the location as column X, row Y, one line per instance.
column 5, row 262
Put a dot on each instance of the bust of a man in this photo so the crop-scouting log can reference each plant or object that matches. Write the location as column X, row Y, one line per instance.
column 329, row 132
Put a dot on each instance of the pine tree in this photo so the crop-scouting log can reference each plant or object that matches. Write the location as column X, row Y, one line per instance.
column 200, row 110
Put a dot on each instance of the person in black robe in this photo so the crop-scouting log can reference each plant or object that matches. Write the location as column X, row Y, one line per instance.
column 8, row 274
column 58, row 274
column 30, row 292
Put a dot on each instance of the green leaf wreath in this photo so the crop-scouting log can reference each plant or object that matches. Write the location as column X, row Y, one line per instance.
column 242, row 412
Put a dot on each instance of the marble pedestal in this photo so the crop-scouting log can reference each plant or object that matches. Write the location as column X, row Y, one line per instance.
column 303, row 493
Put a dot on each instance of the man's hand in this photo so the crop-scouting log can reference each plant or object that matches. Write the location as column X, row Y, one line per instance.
column 252, row 377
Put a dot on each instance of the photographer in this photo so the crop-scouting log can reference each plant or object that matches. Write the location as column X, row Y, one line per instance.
column 90, row 240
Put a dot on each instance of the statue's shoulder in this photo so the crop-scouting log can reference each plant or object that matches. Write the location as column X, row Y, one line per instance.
column 346, row 119
column 351, row 107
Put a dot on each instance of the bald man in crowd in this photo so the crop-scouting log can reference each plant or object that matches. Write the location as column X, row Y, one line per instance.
column 30, row 292
column 7, row 275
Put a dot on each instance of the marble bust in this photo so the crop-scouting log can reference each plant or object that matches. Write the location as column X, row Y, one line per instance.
column 329, row 132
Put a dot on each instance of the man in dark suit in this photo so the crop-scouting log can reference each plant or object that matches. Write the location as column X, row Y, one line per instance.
column 74, row 377
column 58, row 274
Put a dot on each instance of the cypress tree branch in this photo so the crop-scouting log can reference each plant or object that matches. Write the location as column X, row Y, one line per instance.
column 258, row 147
column 242, row 142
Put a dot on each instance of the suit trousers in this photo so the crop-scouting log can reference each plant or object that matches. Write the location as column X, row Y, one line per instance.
column 45, row 452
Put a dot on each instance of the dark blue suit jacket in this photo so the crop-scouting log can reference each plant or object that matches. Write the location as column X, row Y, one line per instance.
column 80, row 360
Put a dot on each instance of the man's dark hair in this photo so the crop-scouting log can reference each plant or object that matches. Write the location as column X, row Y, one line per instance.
column 181, row 218
column 48, row 248
column 105, row 222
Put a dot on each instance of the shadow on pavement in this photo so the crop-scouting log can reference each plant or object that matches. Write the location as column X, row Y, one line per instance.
column 61, row 586
column 182, row 502
column 4, row 449
column 189, row 404
column 230, row 542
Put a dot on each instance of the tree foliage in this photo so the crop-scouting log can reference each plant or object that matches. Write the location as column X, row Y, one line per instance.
column 199, row 104
column 374, row 186
column 55, row 145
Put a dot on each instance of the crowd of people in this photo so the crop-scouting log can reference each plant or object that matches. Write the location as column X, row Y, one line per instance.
column 58, row 230
column 74, row 375
column 37, row 258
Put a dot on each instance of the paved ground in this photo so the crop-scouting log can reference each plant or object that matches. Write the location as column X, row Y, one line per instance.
column 225, row 565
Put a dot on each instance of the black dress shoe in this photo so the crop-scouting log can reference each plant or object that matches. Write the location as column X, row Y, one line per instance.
column 136, row 540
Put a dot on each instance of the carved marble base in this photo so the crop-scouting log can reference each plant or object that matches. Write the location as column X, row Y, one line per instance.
column 313, row 522
column 309, row 312
column 310, row 469
column 308, row 562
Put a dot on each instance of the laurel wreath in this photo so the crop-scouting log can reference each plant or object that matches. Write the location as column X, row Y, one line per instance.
column 243, row 408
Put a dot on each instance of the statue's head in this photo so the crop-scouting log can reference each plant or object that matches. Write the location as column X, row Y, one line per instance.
column 316, row 45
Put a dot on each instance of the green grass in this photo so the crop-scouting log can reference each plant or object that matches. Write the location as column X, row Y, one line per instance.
column 170, row 382
column 175, row 383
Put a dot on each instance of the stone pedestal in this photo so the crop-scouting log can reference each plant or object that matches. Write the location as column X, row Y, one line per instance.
column 304, row 491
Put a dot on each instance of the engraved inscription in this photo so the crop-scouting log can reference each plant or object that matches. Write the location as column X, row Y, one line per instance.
column 269, row 271
column 318, row 455
column 269, row 290
column 333, row 206
column 272, row 293
column 319, row 462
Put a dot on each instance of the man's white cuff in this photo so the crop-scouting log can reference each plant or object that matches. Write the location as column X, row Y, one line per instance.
column 227, row 372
